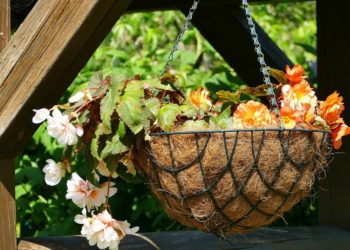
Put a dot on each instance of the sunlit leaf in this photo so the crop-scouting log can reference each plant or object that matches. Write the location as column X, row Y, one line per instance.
column 224, row 120
column 119, row 143
column 167, row 116
column 130, row 107
column 191, row 124
column 152, row 105
column 108, row 105
column 279, row 75
column 227, row 96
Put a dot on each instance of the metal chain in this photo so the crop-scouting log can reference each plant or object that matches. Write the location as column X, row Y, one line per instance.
column 263, row 67
column 180, row 36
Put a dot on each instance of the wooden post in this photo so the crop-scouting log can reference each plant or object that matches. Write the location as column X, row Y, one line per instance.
column 333, row 22
column 4, row 23
column 7, row 170
column 7, row 205
column 43, row 58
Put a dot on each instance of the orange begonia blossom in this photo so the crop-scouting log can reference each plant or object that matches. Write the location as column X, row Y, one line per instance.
column 338, row 132
column 201, row 99
column 252, row 114
column 290, row 117
column 295, row 75
column 331, row 108
column 300, row 97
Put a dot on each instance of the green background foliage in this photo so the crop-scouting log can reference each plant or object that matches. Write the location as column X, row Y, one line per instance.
column 139, row 44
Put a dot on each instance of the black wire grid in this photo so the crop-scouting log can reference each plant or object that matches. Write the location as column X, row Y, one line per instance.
column 285, row 136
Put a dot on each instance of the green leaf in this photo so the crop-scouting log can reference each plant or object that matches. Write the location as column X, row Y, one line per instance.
column 22, row 189
column 227, row 96
column 260, row 90
column 200, row 124
column 119, row 143
column 224, row 120
column 152, row 106
column 308, row 48
column 167, row 116
column 108, row 104
column 130, row 107
column 95, row 142
column 95, row 79
column 188, row 110
column 279, row 75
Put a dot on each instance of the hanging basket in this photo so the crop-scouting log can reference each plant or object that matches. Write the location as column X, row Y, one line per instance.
column 233, row 181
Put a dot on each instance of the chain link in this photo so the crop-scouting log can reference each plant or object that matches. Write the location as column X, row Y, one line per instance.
column 180, row 36
column 263, row 67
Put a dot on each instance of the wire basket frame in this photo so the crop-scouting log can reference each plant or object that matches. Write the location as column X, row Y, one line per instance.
column 191, row 187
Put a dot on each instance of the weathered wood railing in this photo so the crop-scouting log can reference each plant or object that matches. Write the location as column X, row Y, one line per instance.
column 287, row 238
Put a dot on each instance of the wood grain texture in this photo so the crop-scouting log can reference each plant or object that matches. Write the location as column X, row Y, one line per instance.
column 288, row 238
column 230, row 36
column 333, row 71
column 5, row 25
column 7, row 205
column 43, row 57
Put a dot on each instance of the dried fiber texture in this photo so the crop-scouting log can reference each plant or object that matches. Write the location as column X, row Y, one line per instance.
column 232, row 182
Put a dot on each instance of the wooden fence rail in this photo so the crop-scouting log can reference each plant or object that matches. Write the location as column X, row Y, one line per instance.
column 288, row 238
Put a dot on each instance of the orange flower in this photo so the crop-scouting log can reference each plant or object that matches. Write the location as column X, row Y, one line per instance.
column 290, row 117
column 295, row 75
column 300, row 97
column 338, row 132
column 201, row 99
column 251, row 114
column 331, row 108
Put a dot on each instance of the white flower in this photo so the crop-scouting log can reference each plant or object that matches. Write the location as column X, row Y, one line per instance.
column 80, row 130
column 85, row 194
column 53, row 172
column 77, row 97
column 40, row 115
column 60, row 128
column 103, row 230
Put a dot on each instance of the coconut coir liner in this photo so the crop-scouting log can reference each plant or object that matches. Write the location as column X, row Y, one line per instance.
column 257, row 179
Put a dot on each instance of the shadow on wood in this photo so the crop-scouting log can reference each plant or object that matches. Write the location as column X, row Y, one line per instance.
column 288, row 238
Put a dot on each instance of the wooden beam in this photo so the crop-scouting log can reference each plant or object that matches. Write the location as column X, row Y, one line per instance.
column 152, row 5
column 287, row 238
column 5, row 25
column 333, row 63
column 7, row 168
column 44, row 56
column 229, row 35
column 7, row 205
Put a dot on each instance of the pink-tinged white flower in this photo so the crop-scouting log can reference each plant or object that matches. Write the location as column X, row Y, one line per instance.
column 103, row 230
column 85, row 194
column 77, row 97
column 53, row 172
column 40, row 115
column 60, row 128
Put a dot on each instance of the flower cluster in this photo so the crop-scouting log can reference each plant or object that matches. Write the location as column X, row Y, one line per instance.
column 59, row 125
column 103, row 230
column 66, row 124
column 298, row 105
